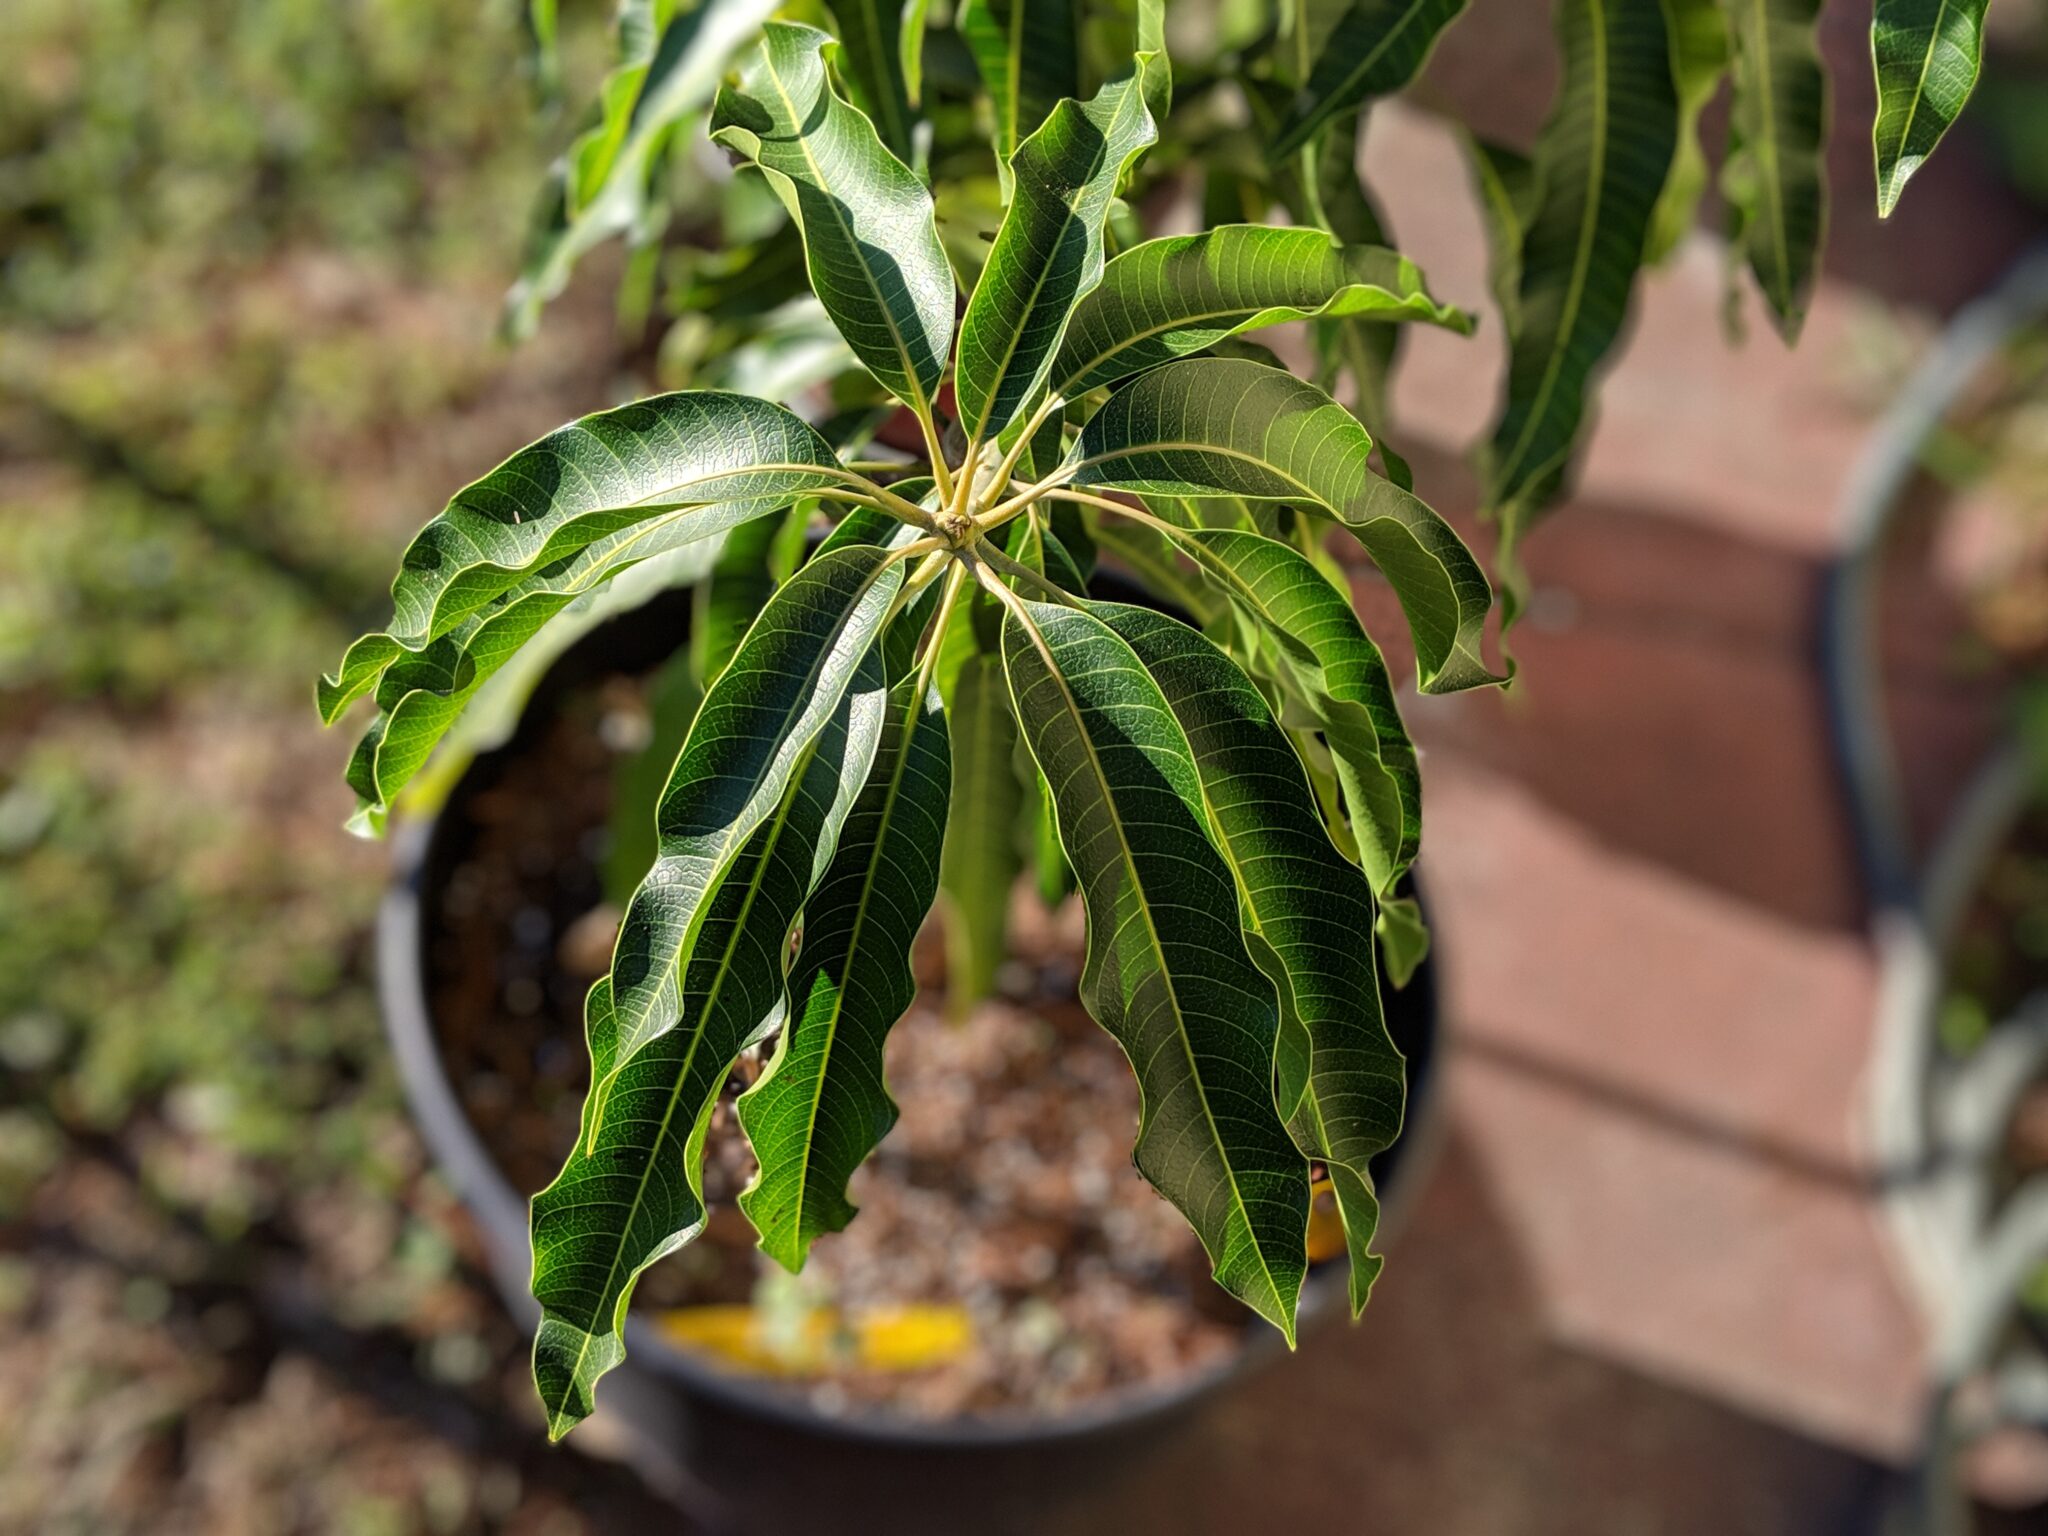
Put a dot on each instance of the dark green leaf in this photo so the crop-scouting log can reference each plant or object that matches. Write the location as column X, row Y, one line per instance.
column 1169, row 298
column 876, row 38
column 752, row 733
column 1219, row 426
column 1029, row 55
column 1600, row 166
column 1374, row 49
column 1308, row 635
column 601, row 188
column 1927, row 54
column 822, row 1105
column 1699, row 58
column 1774, row 177
column 632, row 1190
column 1167, row 973
column 1308, row 912
column 1048, row 252
column 869, row 232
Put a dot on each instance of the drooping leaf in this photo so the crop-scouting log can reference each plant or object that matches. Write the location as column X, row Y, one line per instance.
column 601, row 187
column 1310, row 636
column 1774, row 176
column 1308, row 912
column 1404, row 938
column 632, row 1190
column 876, row 39
column 822, row 1105
column 1173, row 297
column 752, row 733
column 981, row 860
column 870, row 236
column 1048, row 252
column 1028, row 53
column 1219, row 426
column 1167, row 973
column 1698, row 31
column 1374, row 49
column 673, row 694
column 1601, row 164
column 1927, row 54
column 1506, row 181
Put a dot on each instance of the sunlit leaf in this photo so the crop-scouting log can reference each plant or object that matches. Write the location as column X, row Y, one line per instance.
column 1167, row 972
column 1308, row 911
column 752, row 734
column 1927, row 54
column 868, row 227
column 822, row 1105
column 1220, row 426
column 1173, row 297
column 632, row 1190
column 1048, row 252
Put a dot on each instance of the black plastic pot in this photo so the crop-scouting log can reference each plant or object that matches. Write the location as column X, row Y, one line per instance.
column 738, row 1452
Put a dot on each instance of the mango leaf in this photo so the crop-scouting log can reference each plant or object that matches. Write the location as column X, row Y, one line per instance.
column 1374, row 49
column 1167, row 973
column 1309, row 636
column 632, row 1191
column 665, row 74
column 1698, row 32
column 981, row 860
column 870, row 236
column 822, row 1105
column 1220, row 426
column 1927, row 54
column 743, row 578
column 1308, row 911
column 1506, row 182
column 1601, row 165
column 752, row 733
column 634, row 837
column 1404, row 938
column 1028, row 53
column 1048, row 252
column 1169, row 298
column 694, row 464
column 877, row 40
column 1774, row 176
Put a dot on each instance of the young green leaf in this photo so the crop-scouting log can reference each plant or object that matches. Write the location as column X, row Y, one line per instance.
column 822, row 1106
column 1308, row 911
column 610, row 488
column 1173, row 297
column 1374, row 49
column 1167, row 973
column 752, row 732
column 633, row 1189
column 1927, row 54
column 1224, row 427
column 1698, row 31
column 870, row 235
column 1048, row 252
column 1774, row 176
column 981, row 859
column 877, row 39
column 1310, row 638
column 1028, row 53
column 1506, row 182
column 600, row 188
column 1601, row 165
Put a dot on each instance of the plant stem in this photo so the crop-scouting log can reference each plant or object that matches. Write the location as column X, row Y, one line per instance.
column 1009, row 567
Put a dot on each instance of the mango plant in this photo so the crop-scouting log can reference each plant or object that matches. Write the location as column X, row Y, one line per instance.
column 898, row 662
